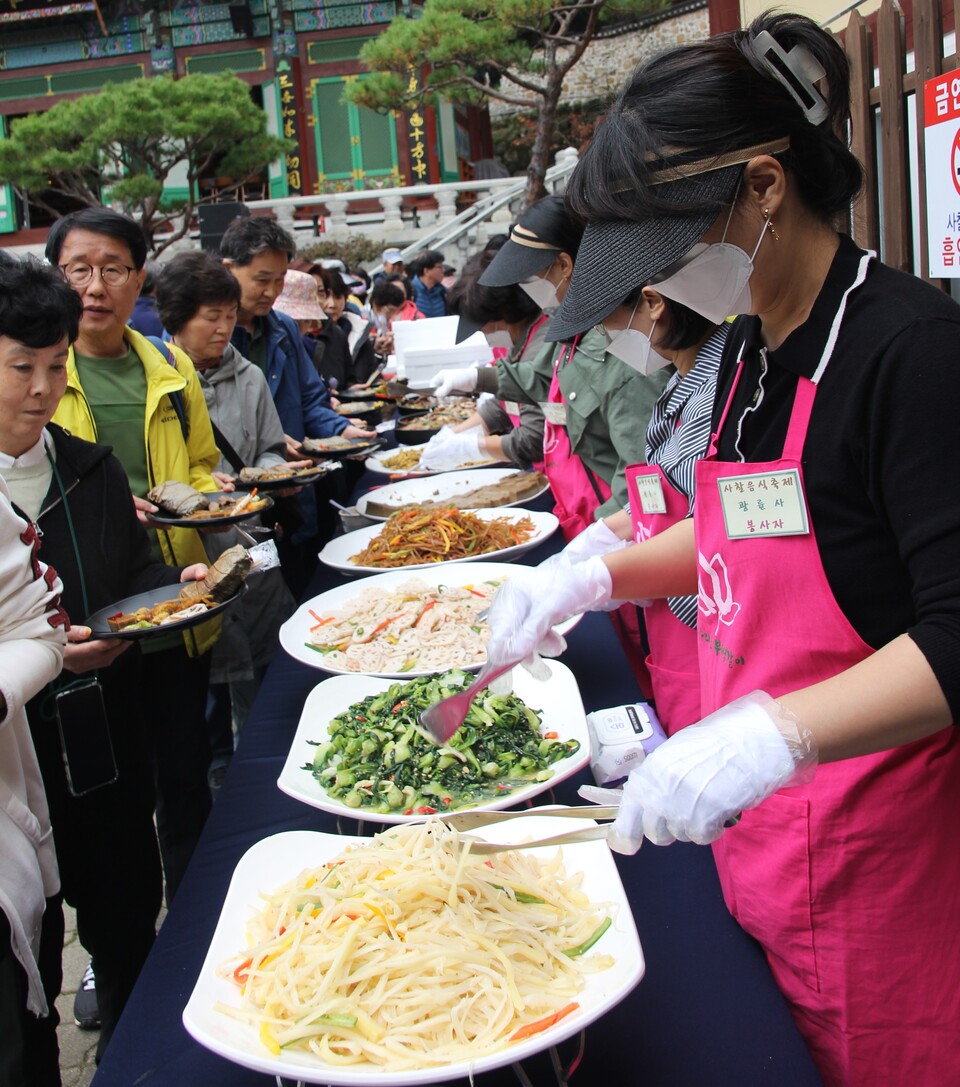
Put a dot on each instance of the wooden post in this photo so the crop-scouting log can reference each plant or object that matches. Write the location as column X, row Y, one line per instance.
column 928, row 51
column 865, row 219
column 893, row 140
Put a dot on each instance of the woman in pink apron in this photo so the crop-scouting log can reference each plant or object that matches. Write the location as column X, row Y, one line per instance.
column 644, row 330
column 826, row 549
column 514, row 327
column 596, row 407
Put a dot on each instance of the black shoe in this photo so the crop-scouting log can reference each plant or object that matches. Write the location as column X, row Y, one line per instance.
column 86, row 1011
column 215, row 776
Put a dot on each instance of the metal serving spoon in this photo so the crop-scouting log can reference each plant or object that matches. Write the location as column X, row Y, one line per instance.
column 443, row 718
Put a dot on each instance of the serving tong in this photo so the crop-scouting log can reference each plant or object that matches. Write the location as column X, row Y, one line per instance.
column 472, row 820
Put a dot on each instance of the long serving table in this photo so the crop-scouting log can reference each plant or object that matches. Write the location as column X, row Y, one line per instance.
column 707, row 1012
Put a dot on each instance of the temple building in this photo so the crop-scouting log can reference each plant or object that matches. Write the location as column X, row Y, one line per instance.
column 295, row 55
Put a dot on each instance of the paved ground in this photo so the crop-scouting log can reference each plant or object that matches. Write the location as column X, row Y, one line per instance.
column 77, row 1047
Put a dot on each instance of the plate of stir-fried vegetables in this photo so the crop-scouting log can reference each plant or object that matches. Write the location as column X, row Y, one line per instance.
column 418, row 539
column 358, row 751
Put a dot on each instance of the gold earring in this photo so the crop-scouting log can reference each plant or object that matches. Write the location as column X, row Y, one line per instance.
column 769, row 222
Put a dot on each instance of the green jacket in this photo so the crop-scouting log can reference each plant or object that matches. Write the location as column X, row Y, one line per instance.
column 608, row 405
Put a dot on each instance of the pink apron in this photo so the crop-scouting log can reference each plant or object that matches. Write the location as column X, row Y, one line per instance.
column 578, row 492
column 672, row 661
column 509, row 406
column 851, row 883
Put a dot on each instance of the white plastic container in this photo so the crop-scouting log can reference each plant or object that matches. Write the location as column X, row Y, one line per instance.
column 424, row 347
column 620, row 738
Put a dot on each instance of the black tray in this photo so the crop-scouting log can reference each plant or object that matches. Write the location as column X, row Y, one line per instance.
column 357, row 445
column 167, row 521
column 307, row 476
column 101, row 628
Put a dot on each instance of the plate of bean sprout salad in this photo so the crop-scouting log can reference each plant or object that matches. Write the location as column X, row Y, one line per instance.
column 355, row 961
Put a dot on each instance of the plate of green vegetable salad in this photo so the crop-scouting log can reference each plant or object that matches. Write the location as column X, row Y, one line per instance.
column 358, row 751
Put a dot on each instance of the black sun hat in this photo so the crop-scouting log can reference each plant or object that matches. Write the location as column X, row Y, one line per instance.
column 618, row 255
column 536, row 238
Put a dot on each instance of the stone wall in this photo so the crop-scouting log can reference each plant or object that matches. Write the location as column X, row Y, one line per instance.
column 609, row 61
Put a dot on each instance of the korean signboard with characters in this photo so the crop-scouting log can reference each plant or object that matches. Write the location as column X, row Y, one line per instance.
column 941, row 133
column 290, row 128
column 416, row 125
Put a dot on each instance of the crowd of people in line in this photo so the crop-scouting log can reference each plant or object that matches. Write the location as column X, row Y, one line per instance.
column 745, row 420
column 117, row 374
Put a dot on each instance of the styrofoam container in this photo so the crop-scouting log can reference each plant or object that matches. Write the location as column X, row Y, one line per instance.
column 424, row 347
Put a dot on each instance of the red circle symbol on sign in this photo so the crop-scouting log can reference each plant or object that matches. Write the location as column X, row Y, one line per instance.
column 955, row 161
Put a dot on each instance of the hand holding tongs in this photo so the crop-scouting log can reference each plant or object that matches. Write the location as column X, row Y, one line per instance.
column 470, row 820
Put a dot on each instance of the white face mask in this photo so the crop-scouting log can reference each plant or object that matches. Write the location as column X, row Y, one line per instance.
column 500, row 338
column 713, row 280
column 542, row 291
column 634, row 347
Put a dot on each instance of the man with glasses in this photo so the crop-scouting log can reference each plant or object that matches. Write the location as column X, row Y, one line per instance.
column 124, row 392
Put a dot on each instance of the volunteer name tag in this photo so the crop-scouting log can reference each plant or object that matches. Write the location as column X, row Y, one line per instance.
column 555, row 413
column 650, row 490
column 763, row 504
column 511, row 407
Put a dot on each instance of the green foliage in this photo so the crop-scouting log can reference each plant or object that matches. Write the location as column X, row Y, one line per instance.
column 128, row 138
column 515, row 51
column 358, row 250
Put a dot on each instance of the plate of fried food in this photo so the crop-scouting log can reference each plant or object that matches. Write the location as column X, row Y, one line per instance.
column 405, row 462
column 180, row 506
column 480, row 488
column 173, row 607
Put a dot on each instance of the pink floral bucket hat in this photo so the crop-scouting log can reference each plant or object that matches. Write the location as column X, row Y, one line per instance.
column 299, row 298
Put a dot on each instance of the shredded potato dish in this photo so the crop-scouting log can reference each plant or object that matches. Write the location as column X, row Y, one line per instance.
column 408, row 952
column 415, row 625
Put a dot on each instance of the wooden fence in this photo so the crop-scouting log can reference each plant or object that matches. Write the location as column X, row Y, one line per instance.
column 891, row 215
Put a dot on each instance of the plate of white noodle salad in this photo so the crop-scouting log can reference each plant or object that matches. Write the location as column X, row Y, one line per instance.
column 355, row 961
column 402, row 623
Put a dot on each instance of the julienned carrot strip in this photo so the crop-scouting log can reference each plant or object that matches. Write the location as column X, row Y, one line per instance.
column 529, row 1029
column 243, row 967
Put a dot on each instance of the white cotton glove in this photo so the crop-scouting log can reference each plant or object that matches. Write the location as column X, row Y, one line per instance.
column 700, row 780
column 596, row 539
column 462, row 380
column 450, row 448
column 528, row 604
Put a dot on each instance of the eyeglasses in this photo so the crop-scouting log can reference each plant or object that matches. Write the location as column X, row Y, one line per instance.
column 79, row 275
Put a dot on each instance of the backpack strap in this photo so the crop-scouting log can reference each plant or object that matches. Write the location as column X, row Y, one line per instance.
column 175, row 397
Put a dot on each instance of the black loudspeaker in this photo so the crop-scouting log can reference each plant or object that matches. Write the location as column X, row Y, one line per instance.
column 241, row 19
column 214, row 220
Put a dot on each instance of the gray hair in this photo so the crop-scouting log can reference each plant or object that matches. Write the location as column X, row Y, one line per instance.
column 246, row 238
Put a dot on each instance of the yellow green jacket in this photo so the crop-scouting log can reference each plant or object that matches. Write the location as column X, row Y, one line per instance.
column 169, row 456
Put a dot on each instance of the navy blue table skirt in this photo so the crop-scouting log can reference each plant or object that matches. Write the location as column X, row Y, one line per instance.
column 706, row 1013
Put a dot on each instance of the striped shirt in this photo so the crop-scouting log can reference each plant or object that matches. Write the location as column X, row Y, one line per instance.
column 679, row 434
